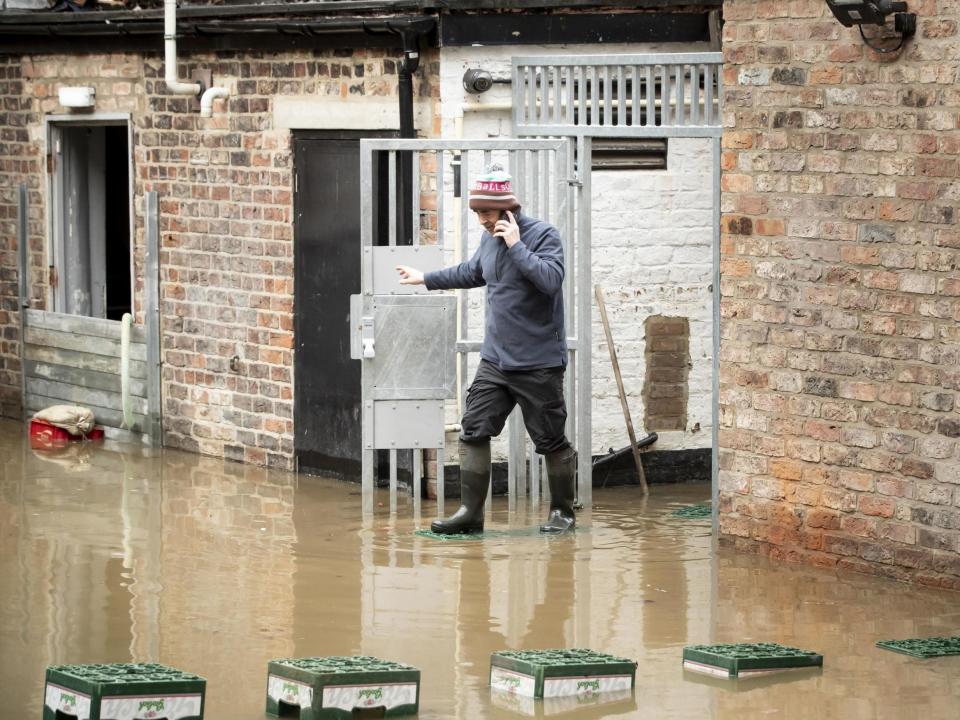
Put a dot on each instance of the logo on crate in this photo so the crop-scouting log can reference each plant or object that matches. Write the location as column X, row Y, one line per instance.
column 153, row 708
column 289, row 691
column 369, row 696
column 170, row 707
column 512, row 683
column 69, row 702
column 590, row 686
column 389, row 696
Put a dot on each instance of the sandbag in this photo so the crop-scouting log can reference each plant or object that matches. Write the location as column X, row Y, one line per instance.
column 74, row 419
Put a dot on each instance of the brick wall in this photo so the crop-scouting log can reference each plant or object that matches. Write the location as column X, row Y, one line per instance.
column 841, row 292
column 667, row 358
column 225, row 185
column 20, row 163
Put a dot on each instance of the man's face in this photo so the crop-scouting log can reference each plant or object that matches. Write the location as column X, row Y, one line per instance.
column 488, row 218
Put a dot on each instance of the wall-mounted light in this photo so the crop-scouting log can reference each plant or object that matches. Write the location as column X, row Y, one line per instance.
column 77, row 97
column 875, row 12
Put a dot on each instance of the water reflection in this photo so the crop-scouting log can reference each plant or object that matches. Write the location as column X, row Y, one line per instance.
column 114, row 554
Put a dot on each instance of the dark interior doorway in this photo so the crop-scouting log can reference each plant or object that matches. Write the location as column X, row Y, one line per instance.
column 91, row 191
column 326, row 410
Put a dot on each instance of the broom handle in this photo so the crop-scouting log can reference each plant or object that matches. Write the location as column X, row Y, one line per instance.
column 623, row 394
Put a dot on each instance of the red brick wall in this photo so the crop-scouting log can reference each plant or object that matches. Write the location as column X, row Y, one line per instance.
column 20, row 163
column 840, row 357
column 226, row 223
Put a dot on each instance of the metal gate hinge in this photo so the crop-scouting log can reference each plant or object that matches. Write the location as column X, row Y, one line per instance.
column 575, row 182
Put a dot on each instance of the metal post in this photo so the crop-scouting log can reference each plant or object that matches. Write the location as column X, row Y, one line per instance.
column 534, row 476
column 570, row 194
column 462, row 300
column 516, row 468
column 417, row 482
column 393, row 480
column 24, row 272
column 584, row 342
column 607, row 97
column 438, row 185
column 715, row 432
column 22, row 240
column 441, row 490
column 366, row 285
column 151, row 316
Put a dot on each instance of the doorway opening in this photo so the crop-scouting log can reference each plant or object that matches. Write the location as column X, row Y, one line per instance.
column 91, row 261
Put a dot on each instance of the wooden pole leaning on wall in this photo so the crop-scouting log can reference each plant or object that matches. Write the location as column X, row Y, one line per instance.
column 623, row 394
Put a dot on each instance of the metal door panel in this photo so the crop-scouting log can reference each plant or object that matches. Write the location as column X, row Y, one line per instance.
column 407, row 424
column 383, row 266
column 415, row 339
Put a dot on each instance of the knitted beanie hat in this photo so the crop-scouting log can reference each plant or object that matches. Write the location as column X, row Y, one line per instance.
column 493, row 191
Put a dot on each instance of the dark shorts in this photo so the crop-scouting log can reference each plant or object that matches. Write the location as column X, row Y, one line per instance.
column 495, row 392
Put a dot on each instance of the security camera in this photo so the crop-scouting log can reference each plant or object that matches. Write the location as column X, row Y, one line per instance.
column 477, row 81
column 861, row 12
column 874, row 12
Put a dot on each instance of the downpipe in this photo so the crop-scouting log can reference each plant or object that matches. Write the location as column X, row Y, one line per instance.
column 170, row 53
column 209, row 95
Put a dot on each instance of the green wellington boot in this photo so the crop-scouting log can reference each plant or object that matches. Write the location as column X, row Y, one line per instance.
column 561, row 471
column 474, row 481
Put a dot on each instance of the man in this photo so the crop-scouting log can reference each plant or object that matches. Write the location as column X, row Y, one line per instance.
column 524, row 351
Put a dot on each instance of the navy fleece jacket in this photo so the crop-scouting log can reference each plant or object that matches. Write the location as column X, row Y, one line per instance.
column 524, row 315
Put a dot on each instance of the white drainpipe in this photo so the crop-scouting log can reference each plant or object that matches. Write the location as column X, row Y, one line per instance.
column 170, row 52
column 209, row 95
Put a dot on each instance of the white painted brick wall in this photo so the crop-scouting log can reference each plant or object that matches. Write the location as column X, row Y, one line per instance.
column 652, row 240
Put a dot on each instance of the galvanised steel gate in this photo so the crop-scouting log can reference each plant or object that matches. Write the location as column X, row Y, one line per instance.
column 417, row 347
column 668, row 95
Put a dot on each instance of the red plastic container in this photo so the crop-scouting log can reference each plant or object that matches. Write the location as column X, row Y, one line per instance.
column 44, row 434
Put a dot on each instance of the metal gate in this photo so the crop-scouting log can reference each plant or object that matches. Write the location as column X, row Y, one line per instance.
column 627, row 96
column 416, row 346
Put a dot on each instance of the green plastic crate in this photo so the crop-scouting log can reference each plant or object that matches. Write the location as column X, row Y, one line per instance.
column 560, row 673
column 924, row 647
column 122, row 691
column 747, row 659
column 699, row 511
column 330, row 688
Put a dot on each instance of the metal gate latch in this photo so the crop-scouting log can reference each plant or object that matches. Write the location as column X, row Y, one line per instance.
column 366, row 337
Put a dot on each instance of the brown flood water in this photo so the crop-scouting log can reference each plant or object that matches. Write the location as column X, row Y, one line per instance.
column 120, row 554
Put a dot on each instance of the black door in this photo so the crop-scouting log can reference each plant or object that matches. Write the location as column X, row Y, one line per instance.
column 326, row 404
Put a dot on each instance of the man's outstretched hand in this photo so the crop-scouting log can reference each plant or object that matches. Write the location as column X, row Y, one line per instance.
column 508, row 230
column 409, row 275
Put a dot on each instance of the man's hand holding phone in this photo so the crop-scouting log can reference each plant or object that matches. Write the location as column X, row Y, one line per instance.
column 507, row 229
